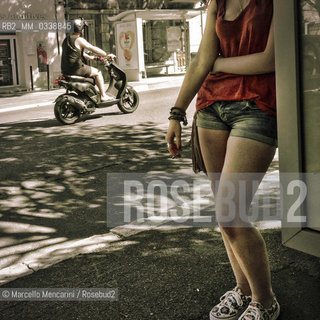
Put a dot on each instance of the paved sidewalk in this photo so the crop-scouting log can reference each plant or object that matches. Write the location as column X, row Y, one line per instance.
column 166, row 274
column 26, row 100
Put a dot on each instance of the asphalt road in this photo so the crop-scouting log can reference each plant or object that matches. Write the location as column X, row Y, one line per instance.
column 154, row 106
column 53, row 178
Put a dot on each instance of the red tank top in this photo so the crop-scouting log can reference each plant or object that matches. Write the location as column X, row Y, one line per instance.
column 247, row 34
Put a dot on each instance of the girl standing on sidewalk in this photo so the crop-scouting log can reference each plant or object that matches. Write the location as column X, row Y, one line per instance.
column 236, row 127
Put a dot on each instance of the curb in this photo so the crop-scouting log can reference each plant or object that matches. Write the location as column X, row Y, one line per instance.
column 28, row 106
column 138, row 86
column 45, row 258
column 71, row 249
column 56, row 254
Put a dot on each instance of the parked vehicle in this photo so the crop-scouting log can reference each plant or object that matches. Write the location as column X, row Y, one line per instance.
column 82, row 96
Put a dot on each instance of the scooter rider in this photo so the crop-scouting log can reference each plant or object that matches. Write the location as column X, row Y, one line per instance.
column 73, row 61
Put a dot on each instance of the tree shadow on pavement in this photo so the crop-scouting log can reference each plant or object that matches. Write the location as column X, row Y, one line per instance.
column 53, row 189
column 53, row 179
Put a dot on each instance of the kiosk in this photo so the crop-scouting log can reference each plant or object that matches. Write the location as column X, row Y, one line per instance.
column 155, row 41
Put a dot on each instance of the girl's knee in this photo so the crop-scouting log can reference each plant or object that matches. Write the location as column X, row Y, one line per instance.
column 95, row 72
column 248, row 236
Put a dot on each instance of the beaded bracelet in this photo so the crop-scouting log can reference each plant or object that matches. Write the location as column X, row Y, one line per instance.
column 180, row 111
column 179, row 116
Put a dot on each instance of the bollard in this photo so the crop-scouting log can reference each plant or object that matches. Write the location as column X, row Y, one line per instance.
column 31, row 76
column 48, row 77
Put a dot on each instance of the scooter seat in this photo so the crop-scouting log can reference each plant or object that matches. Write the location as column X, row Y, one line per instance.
column 74, row 78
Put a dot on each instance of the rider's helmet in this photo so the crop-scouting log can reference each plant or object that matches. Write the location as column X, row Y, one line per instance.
column 79, row 24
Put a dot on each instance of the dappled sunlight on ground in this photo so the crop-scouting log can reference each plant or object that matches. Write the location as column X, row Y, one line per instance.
column 53, row 189
column 53, row 181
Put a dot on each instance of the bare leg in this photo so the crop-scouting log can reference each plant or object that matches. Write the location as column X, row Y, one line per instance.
column 245, row 246
column 99, row 81
column 248, row 247
column 241, row 279
column 213, row 145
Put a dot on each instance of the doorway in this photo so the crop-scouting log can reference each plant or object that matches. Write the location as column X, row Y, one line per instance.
column 8, row 61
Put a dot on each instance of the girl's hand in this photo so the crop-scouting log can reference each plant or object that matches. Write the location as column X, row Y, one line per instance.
column 173, row 138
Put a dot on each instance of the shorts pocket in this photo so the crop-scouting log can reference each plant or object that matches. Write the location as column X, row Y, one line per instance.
column 249, row 105
column 253, row 105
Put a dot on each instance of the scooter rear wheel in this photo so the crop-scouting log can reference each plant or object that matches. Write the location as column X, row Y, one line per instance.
column 65, row 112
column 129, row 101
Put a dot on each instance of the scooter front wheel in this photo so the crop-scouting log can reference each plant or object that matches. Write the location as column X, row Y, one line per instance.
column 65, row 112
column 129, row 101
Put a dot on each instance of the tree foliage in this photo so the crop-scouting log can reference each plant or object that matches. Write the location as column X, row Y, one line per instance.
column 128, row 4
column 151, row 4
column 314, row 4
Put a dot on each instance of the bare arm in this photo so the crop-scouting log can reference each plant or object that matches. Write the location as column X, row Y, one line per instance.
column 257, row 63
column 88, row 57
column 196, row 73
column 202, row 63
column 84, row 44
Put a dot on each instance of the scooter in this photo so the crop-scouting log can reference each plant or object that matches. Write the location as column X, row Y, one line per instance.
column 82, row 96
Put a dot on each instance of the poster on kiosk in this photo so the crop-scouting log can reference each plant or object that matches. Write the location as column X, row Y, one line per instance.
column 127, row 47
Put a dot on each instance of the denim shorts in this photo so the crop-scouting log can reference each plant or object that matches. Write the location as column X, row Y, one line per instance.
column 242, row 118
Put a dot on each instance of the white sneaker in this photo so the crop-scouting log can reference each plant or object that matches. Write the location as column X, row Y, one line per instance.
column 106, row 98
column 256, row 311
column 232, row 304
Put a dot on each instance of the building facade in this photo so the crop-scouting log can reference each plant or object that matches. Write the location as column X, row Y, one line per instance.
column 30, row 54
column 31, row 33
